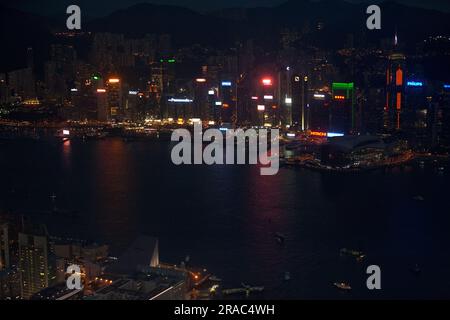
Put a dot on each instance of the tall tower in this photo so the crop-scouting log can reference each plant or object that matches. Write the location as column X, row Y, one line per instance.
column 395, row 88
column 30, row 58
column 36, row 268
column 4, row 247
column 114, row 93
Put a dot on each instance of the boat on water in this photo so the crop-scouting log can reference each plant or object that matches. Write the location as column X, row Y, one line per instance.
column 215, row 279
column 287, row 276
column 343, row 286
column 354, row 253
column 245, row 289
column 416, row 269
column 280, row 237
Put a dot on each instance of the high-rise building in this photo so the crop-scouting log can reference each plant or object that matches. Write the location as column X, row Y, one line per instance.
column 36, row 265
column 444, row 118
column 300, row 101
column 21, row 83
column 395, row 91
column 4, row 247
column 227, row 96
column 201, row 99
column 4, row 90
column 319, row 112
column 342, row 113
column 114, row 93
column 30, row 58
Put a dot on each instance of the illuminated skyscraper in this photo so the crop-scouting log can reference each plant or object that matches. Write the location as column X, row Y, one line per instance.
column 37, row 270
column 114, row 92
column 227, row 94
column 4, row 247
column 320, row 107
column 342, row 113
column 395, row 90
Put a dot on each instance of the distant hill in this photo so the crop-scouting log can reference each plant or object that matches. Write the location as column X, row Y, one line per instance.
column 20, row 30
column 339, row 18
column 223, row 28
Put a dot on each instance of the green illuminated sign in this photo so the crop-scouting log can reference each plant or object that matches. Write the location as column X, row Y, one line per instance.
column 343, row 86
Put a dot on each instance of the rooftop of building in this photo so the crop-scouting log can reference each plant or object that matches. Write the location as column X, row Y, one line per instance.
column 141, row 253
column 354, row 143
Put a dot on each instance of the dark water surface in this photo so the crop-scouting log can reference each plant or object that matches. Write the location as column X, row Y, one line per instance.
column 225, row 217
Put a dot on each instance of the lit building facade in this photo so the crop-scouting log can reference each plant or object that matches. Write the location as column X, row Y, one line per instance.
column 37, row 269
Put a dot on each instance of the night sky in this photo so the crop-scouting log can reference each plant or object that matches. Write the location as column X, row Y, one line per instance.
column 95, row 8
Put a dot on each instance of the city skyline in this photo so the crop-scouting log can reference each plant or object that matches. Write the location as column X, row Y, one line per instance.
column 158, row 153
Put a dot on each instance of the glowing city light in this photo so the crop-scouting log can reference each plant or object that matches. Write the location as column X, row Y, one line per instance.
column 334, row 134
column 339, row 97
column 291, row 135
column 414, row 84
column 226, row 84
column 267, row 82
column 218, row 103
column 133, row 93
column 114, row 80
column 101, row 90
column 318, row 134
column 211, row 92
column 74, row 90
column 261, row 107
column 200, row 80
column 288, row 100
column 319, row 96
column 255, row 98
column 268, row 97
column 343, row 86
column 174, row 100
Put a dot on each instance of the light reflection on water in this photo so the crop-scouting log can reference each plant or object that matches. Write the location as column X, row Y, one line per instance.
column 225, row 217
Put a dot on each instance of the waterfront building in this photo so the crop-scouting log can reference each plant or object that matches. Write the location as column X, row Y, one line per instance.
column 36, row 265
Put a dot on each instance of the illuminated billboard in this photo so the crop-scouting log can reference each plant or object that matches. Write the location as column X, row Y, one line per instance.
column 414, row 84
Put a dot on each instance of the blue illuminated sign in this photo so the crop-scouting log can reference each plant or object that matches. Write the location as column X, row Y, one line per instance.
column 334, row 134
column 414, row 84
column 226, row 84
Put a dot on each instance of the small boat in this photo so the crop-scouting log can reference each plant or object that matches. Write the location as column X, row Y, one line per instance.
column 287, row 276
column 280, row 237
column 342, row 286
column 416, row 269
column 215, row 279
column 353, row 253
